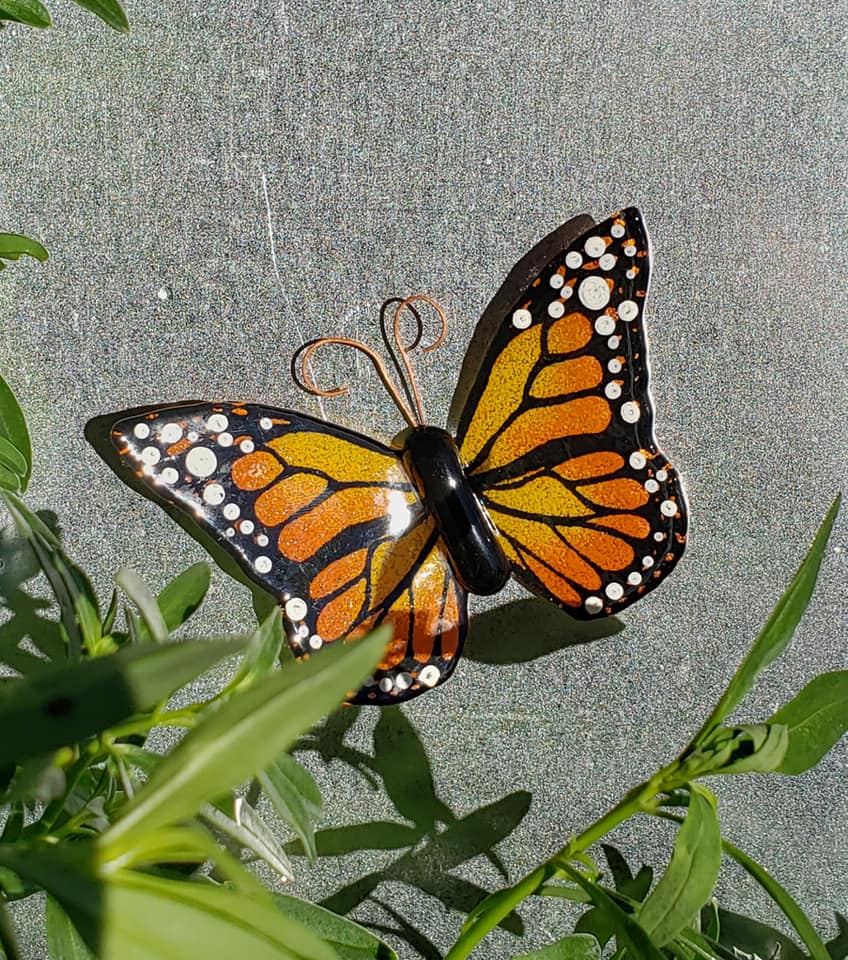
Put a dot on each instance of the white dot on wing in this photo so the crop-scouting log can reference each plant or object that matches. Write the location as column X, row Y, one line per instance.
column 605, row 324
column 595, row 247
column 594, row 292
column 171, row 433
column 201, row 462
column 216, row 423
column 142, row 431
column 573, row 260
column 628, row 310
column 556, row 309
column 263, row 564
column 150, row 456
column 522, row 319
column 630, row 411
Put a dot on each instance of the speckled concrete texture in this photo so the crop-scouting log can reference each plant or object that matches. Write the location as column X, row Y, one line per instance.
column 235, row 178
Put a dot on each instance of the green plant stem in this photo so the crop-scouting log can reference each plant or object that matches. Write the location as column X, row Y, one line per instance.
column 186, row 718
column 781, row 896
column 638, row 800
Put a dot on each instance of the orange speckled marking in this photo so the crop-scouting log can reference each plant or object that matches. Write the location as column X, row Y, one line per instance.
column 535, row 427
column 603, row 549
column 590, row 465
column 504, row 392
column 305, row 535
column 338, row 574
column 287, row 497
column 623, row 494
column 340, row 614
column 569, row 333
column 549, row 548
column 569, row 376
column 256, row 470
column 179, row 447
column 559, row 588
column 399, row 618
column 630, row 524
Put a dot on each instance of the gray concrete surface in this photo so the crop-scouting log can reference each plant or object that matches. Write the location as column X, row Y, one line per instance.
column 235, row 178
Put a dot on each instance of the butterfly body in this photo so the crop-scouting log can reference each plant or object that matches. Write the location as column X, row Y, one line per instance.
column 550, row 473
column 470, row 540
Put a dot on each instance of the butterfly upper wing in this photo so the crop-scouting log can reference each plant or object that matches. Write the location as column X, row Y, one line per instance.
column 555, row 423
column 323, row 518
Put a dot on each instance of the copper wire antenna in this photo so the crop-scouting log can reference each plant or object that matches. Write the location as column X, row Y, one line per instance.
column 412, row 408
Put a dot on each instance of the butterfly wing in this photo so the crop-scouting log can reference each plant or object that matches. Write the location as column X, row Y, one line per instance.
column 555, row 422
column 324, row 519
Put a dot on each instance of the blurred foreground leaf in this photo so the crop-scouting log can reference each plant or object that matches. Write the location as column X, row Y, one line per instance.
column 64, row 704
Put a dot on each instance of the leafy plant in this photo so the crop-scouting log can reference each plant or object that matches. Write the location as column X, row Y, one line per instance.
column 33, row 13
column 663, row 920
column 116, row 833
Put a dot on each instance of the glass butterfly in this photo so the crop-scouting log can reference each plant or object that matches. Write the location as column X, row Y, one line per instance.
column 552, row 474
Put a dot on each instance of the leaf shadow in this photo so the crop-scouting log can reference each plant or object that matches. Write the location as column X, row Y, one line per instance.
column 429, row 838
column 542, row 628
column 28, row 639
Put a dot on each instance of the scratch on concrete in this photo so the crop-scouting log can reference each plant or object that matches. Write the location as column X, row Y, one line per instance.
column 269, row 219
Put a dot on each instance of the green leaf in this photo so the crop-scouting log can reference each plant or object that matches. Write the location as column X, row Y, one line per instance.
column 781, row 896
column 13, row 425
column 74, row 594
column 691, row 875
column 751, row 748
column 9, row 480
column 815, row 720
column 244, row 734
column 32, row 13
column 110, row 11
column 348, row 939
column 61, row 705
column 149, row 916
column 262, row 651
column 778, row 631
column 579, row 946
column 295, row 797
column 183, row 595
column 128, row 915
column 12, row 458
column 748, row 936
column 628, row 933
column 63, row 940
column 247, row 828
column 136, row 589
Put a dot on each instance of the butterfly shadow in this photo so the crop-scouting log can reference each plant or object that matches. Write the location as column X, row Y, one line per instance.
column 28, row 639
column 527, row 629
column 428, row 838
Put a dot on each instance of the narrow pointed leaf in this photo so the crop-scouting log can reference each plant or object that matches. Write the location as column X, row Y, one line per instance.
column 183, row 595
column 13, row 424
column 691, row 875
column 109, row 11
column 136, row 589
column 11, row 458
column 248, row 829
column 295, row 797
column 263, row 649
column 244, row 734
column 62, row 705
column 778, row 631
column 13, row 245
column 815, row 720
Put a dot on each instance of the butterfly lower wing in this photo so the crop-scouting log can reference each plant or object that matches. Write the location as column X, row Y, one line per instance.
column 557, row 428
column 324, row 519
